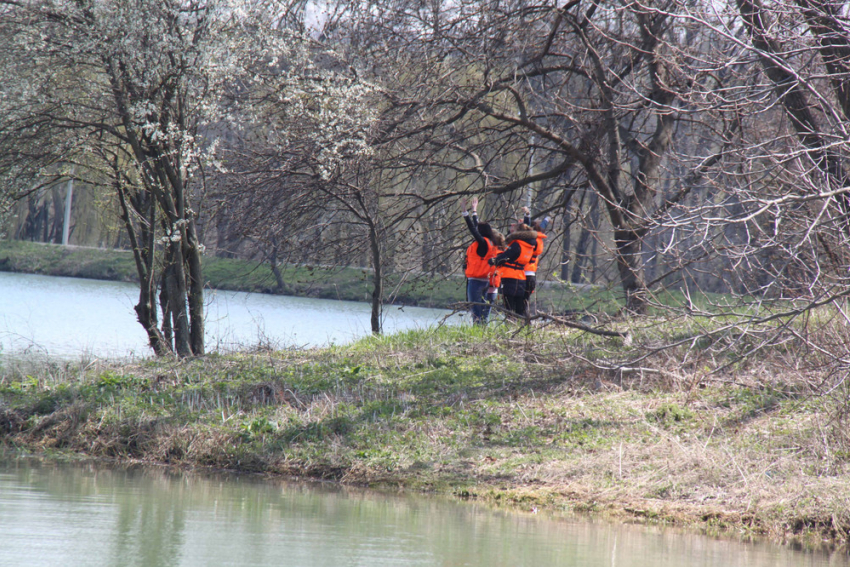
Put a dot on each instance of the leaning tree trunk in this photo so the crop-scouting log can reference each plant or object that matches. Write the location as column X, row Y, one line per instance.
column 146, row 310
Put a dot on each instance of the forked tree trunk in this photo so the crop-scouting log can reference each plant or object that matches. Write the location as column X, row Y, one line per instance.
column 174, row 292
column 141, row 242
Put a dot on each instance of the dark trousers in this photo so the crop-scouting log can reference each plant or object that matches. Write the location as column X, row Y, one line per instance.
column 514, row 293
column 530, row 285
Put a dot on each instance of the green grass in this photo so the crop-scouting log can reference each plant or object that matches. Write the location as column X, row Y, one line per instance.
column 505, row 413
column 54, row 260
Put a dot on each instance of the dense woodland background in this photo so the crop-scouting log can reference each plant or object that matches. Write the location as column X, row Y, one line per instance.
column 699, row 147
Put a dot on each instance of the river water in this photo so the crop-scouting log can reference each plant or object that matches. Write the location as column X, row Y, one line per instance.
column 66, row 317
column 54, row 514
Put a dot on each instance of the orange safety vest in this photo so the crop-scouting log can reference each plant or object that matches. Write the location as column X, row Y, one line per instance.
column 476, row 266
column 532, row 264
column 496, row 277
column 516, row 270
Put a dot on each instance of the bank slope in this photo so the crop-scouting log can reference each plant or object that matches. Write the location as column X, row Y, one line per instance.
column 507, row 414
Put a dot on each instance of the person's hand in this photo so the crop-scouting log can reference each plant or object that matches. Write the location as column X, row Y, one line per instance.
column 526, row 211
column 474, row 204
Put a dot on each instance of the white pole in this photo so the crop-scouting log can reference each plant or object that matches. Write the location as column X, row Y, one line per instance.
column 69, row 196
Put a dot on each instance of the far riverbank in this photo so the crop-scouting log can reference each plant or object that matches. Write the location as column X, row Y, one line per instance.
column 342, row 283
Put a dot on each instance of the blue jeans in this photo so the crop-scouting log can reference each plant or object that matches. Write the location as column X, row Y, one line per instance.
column 475, row 292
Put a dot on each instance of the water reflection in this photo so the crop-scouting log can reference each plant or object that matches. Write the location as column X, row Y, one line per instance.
column 59, row 514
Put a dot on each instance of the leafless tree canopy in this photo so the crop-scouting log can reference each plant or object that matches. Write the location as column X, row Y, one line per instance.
column 683, row 148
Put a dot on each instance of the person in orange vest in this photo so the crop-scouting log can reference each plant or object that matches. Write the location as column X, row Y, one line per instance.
column 478, row 268
column 496, row 276
column 520, row 245
column 531, row 267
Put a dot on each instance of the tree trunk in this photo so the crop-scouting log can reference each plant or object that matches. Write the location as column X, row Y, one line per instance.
column 567, row 242
column 630, row 267
column 224, row 239
column 146, row 310
column 165, row 305
column 274, row 262
column 378, row 289
column 175, row 292
column 581, row 254
column 588, row 231
column 593, row 257
column 195, row 290
column 565, row 249
column 58, row 211
column 147, row 317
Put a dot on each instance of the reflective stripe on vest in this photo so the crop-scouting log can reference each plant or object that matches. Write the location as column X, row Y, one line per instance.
column 476, row 266
column 516, row 270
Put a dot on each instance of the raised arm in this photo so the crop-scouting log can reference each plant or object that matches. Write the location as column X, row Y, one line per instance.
column 527, row 219
column 472, row 225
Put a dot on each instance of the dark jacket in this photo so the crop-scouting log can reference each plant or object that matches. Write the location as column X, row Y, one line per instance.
column 473, row 226
column 513, row 250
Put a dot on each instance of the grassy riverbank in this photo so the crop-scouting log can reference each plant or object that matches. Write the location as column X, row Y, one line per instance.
column 350, row 284
column 503, row 414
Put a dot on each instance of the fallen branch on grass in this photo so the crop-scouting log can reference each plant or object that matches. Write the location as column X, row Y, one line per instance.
column 580, row 326
column 465, row 305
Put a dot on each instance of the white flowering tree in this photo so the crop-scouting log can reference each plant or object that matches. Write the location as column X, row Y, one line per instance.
column 129, row 94
column 303, row 171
